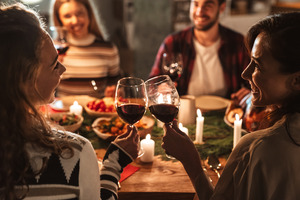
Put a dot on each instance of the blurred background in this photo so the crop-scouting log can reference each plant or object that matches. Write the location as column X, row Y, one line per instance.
column 138, row 27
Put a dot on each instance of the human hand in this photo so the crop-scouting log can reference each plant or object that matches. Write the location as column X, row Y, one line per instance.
column 129, row 141
column 175, row 138
column 110, row 91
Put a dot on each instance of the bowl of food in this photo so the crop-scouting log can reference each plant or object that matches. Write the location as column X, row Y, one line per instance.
column 101, row 107
column 108, row 128
column 66, row 121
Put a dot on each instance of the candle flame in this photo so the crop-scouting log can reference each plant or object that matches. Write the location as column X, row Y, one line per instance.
column 237, row 117
column 148, row 136
column 75, row 103
column 199, row 113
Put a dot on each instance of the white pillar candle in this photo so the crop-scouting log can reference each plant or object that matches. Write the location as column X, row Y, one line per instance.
column 199, row 127
column 237, row 131
column 76, row 108
column 183, row 129
column 147, row 145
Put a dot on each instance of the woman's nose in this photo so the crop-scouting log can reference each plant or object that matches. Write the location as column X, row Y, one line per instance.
column 62, row 68
column 74, row 19
column 247, row 73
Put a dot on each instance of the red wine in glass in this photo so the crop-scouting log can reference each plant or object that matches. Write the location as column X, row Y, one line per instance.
column 131, row 113
column 61, row 49
column 164, row 112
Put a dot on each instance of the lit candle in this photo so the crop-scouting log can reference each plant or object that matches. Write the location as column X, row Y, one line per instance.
column 237, row 132
column 199, row 127
column 183, row 129
column 76, row 108
column 147, row 145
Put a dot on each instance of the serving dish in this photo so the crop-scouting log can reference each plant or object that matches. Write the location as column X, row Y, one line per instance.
column 102, row 127
column 211, row 103
column 66, row 121
column 101, row 107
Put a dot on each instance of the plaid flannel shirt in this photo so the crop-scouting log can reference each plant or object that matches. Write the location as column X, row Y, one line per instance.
column 232, row 53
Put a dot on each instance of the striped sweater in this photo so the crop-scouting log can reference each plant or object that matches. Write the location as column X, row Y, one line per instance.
column 76, row 177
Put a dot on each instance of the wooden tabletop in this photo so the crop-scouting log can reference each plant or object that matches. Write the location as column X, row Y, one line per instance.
column 157, row 180
column 160, row 180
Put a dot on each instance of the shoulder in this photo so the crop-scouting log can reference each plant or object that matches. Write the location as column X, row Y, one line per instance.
column 76, row 141
column 182, row 35
column 229, row 34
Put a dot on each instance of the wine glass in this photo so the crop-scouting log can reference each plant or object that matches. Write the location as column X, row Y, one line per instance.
column 59, row 36
column 131, row 100
column 163, row 99
column 172, row 65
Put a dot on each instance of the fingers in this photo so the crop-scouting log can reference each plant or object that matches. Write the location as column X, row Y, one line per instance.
column 124, row 135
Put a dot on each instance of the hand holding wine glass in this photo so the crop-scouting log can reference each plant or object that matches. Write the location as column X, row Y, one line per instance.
column 172, row 65
column 59, row 36
column 163, row 99
column 131, row 100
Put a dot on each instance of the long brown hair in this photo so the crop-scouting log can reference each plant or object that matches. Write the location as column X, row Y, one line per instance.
column 93, row 26
column 21, row 35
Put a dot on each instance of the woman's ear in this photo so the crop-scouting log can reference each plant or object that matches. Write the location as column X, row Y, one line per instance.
column 295, row 83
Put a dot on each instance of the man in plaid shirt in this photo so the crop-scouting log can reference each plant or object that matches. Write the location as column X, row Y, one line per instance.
column 213, row 55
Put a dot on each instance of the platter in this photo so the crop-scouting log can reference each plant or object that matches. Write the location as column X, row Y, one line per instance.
column 101, row 107
column 144, row 126
column 211, row 103
column 56, row 118
column 62, row 104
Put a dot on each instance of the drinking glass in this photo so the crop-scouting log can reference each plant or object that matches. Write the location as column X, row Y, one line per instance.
column 131, row 100
column 163, row 99
column 59, row 36
column 172, row 65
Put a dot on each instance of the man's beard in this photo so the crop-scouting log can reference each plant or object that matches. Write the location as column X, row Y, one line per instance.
column 209, row 25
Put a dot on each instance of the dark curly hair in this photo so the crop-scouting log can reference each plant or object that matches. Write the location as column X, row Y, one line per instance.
column 21, row 35
column 281, row 36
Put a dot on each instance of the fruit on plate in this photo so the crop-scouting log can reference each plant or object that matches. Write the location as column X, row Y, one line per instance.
column 231, row 114
column 102, row 105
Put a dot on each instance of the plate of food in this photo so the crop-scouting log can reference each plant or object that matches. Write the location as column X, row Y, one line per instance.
column 66, row 121
column 108, row 128
column 62, row 104
column 211, row 103
column 252, row 116
column 101, row 107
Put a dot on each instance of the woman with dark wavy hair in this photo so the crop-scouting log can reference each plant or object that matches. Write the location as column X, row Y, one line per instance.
column 265, row 164
column 35, row 160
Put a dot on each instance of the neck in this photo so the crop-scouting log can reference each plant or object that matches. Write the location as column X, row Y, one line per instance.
column 208, row 37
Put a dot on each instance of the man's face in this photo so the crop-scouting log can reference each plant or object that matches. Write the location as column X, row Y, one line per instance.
column 205, row 13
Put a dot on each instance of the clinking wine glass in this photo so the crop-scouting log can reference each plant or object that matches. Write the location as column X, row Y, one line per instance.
column 172, row 65
column 163, row 99
column 131, row 101
column 59, row 36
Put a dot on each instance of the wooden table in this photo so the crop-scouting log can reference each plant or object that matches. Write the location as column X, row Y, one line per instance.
column 165, row 180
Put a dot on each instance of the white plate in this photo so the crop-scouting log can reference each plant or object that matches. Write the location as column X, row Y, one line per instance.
column 63, row 103
column 210, row 103
column 71, row 128
column 104, row 136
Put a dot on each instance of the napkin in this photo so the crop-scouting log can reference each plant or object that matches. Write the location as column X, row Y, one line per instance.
column 128, row 171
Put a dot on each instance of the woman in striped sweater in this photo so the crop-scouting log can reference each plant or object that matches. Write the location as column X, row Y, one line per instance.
column 91, row 62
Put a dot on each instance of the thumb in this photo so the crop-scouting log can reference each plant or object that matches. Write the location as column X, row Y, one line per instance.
column 176, row 128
